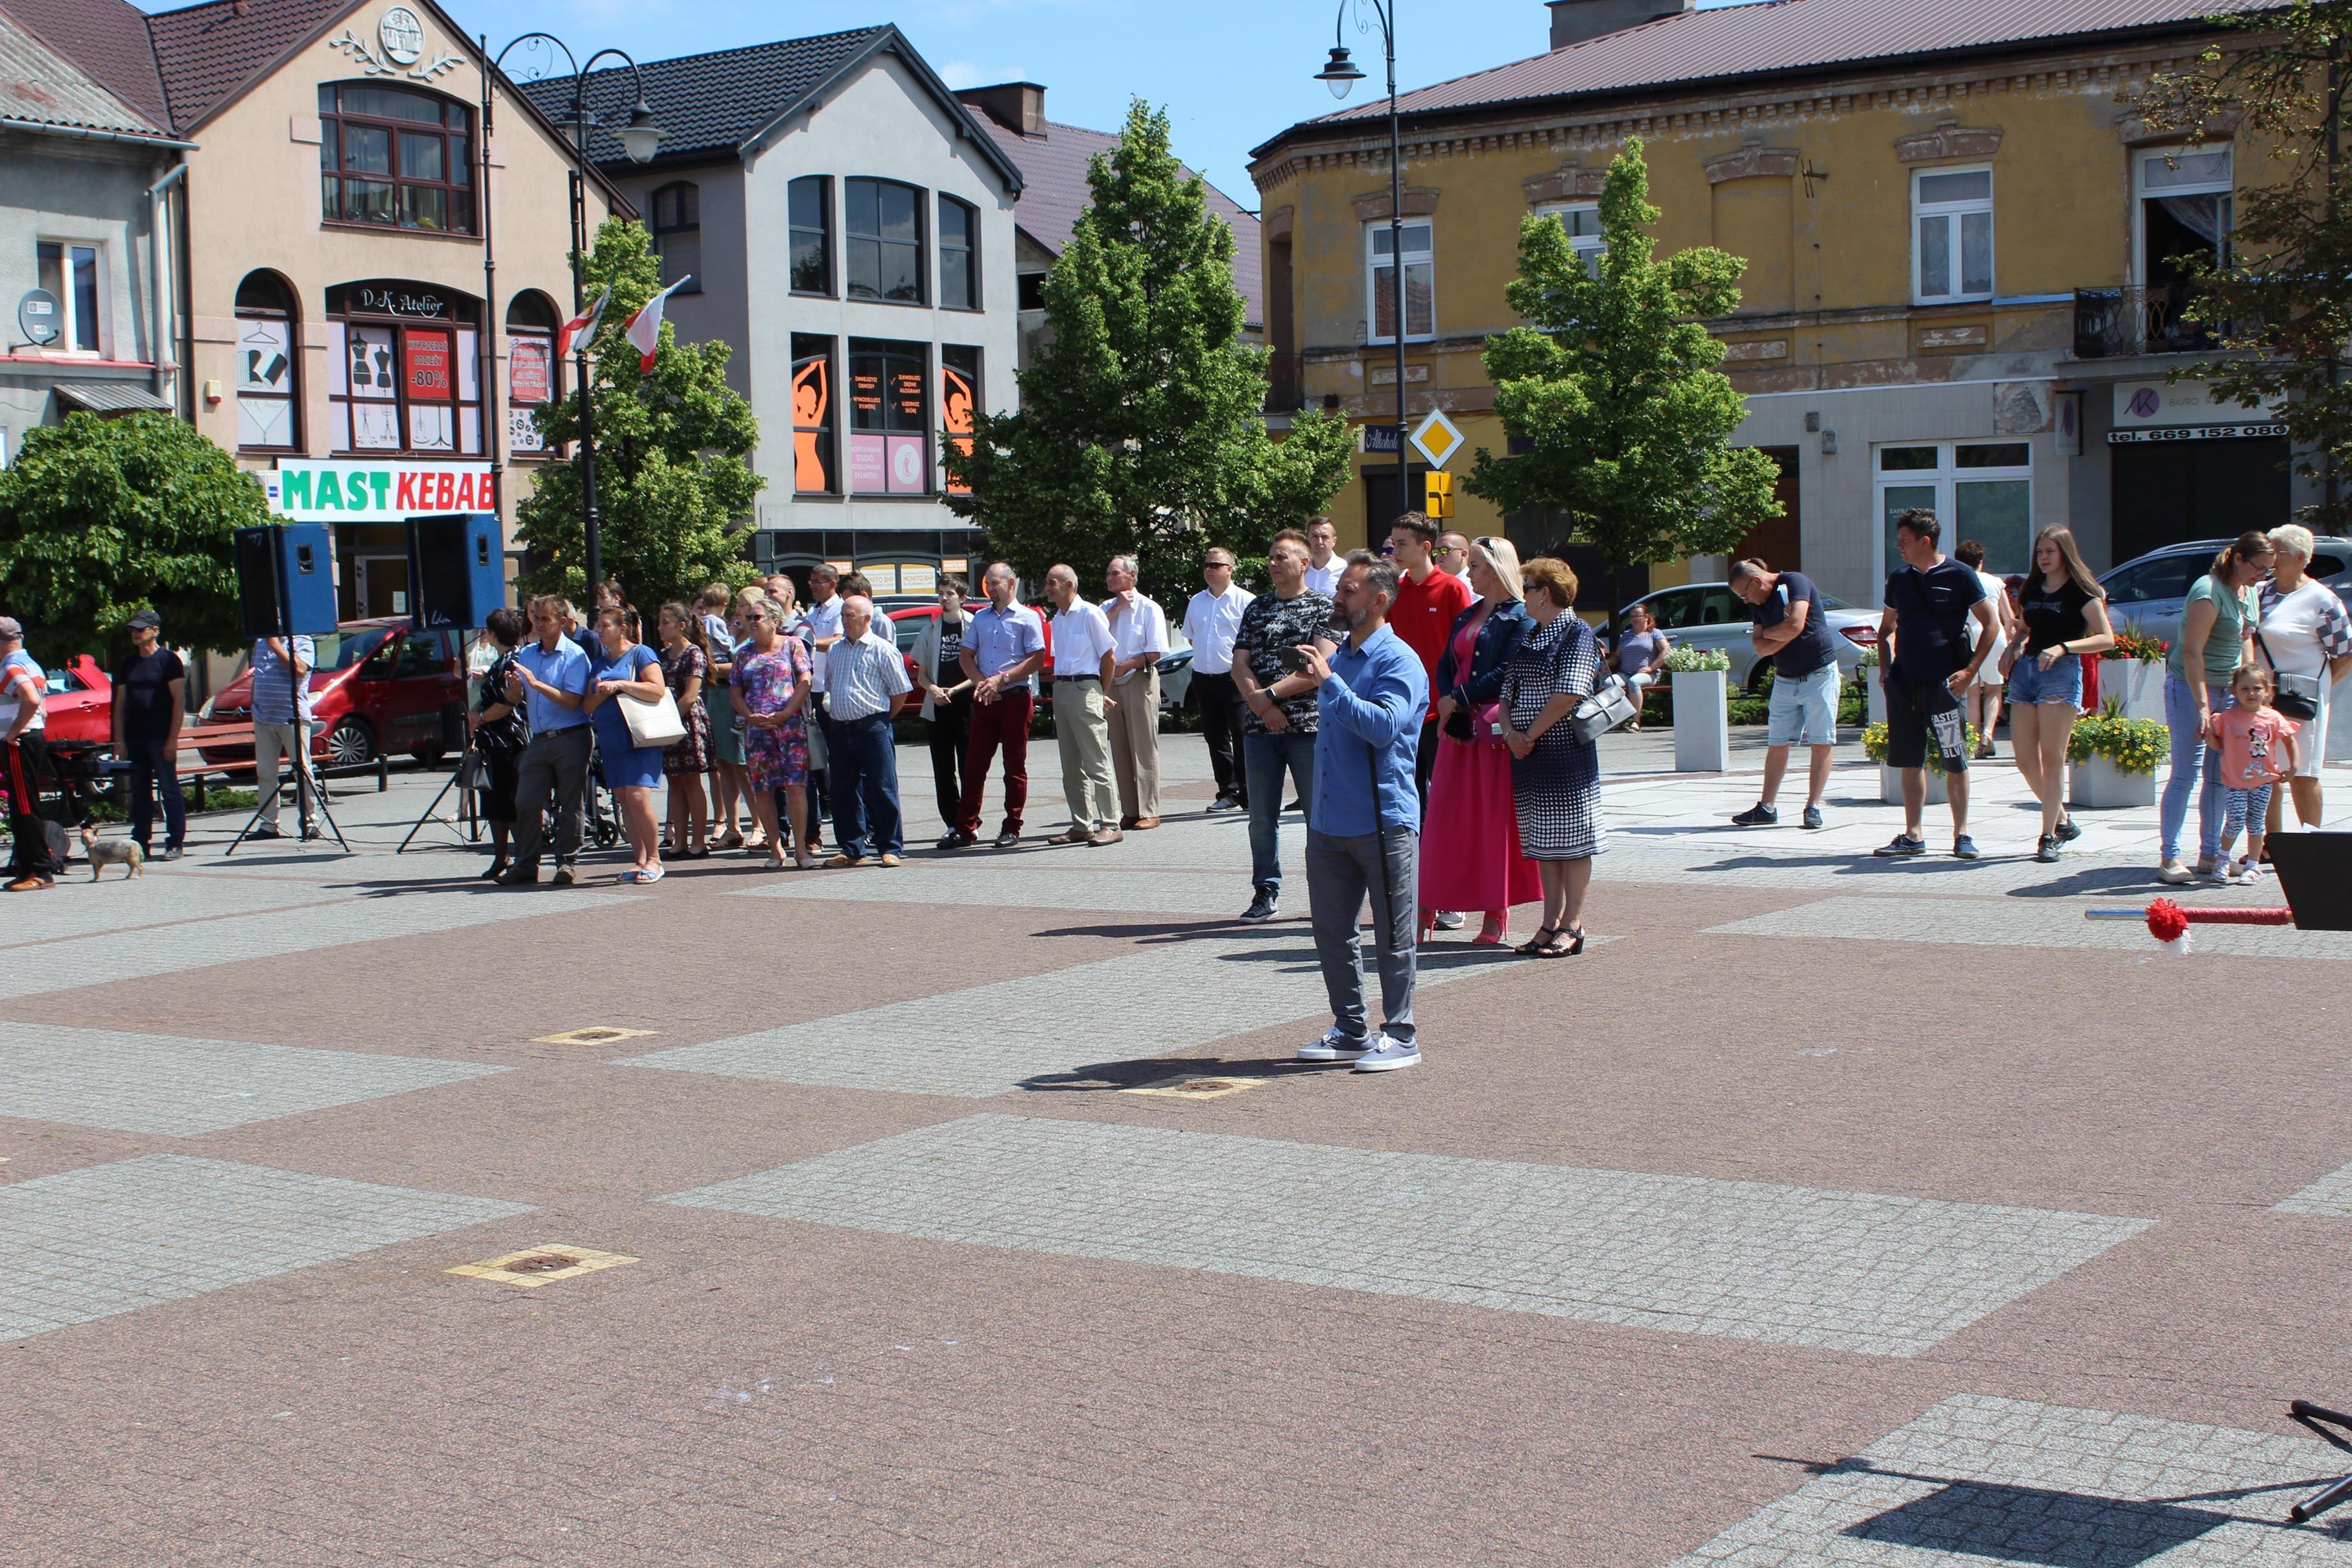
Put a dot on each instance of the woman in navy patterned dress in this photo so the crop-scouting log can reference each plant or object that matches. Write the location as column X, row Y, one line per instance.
column 1555, row 776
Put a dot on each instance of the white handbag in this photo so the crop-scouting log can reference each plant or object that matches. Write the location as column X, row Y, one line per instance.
column 657, row 723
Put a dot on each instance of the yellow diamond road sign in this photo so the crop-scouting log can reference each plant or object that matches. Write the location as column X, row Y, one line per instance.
column 1436, row 439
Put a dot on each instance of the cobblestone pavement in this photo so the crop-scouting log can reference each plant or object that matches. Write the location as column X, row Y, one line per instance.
column 1826, row 1211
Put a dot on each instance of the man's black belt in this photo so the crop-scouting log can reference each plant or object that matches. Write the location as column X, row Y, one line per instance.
column 1096, row 678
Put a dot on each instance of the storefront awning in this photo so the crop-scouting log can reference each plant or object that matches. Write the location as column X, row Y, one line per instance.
column 111, row 397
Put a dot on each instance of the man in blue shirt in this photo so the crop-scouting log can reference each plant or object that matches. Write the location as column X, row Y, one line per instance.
column 1363, row 824
column 1004, row 648
column 281, row 728
column 551, row 678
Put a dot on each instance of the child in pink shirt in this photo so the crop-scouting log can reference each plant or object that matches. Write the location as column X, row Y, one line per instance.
column 2257, row 745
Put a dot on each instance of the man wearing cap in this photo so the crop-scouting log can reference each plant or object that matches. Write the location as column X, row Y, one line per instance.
column 23, row 757
column 151, row 698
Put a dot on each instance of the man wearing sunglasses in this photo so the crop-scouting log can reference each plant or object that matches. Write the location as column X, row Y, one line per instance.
column 1453, row 555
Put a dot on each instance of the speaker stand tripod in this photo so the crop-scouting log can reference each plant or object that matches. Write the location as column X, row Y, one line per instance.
column 2318, row 1418
column 304, row 784
column 473, row 824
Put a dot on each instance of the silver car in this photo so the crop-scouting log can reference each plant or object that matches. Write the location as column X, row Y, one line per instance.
column 1707, row 616
column 2147, row 594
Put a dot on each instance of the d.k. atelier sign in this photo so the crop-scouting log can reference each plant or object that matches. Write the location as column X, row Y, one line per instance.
column 349, row 490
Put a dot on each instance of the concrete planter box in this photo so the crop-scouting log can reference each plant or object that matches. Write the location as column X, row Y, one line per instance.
column 1702, row 722
column 2099, row 785
column 2138, row 682
column 1890, row 786
column 1878, row 697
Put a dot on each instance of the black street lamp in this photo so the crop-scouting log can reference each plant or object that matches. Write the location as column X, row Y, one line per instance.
column 640, row 138
column 1339, row 74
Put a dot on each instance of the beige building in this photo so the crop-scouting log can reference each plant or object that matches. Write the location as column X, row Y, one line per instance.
column 336, row 318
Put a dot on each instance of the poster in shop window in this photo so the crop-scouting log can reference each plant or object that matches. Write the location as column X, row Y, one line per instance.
column 430, row 373
column 956, row 402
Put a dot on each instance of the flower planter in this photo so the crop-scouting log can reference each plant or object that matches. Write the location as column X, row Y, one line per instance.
column 2138, row 684
column 1702, row 722
column 2099, row 785
column 1878, row 697
column 1890, row 786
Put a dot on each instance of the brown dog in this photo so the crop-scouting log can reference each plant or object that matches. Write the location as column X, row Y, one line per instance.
column 104, row 853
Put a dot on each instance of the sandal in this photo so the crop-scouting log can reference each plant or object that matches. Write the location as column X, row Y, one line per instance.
column 1535, row 944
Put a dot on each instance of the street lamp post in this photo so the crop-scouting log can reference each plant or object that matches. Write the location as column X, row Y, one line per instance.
column 1339, row 74
column 640, row 140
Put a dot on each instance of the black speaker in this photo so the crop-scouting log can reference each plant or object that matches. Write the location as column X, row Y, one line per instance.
column 289, row 567
column 457, row 573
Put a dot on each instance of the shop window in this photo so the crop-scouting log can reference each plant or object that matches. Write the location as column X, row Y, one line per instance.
column 268, row 354
column 890, row 424
column 403, row 376
column 1951, row 235
column 396, row 157
column 70, row 272
column 810, row 200
column 534, row 377
column 1981, row 490
column 1582, row 221
column 884, row 223
column 959, row 255
column 1420, row 282
column 813, row 472
column 958, row 399
column 678, row 234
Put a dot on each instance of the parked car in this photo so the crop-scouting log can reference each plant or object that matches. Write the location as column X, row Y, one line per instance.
column 1706, row 615
column 378, row 687
column 79, row 706
column 2147, row 592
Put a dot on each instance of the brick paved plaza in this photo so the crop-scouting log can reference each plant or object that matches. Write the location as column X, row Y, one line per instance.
column 1824, row 1211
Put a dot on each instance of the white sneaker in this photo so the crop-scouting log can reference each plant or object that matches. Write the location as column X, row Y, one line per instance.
column 1392, row 1055
column 2225, row 871
column 1449, row 920
column 2250, row 871
column 1337, row 1047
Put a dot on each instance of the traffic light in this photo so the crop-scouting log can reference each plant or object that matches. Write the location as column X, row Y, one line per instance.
column 1439, row 496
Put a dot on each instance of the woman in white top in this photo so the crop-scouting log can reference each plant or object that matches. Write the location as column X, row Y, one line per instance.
column 2304, row 632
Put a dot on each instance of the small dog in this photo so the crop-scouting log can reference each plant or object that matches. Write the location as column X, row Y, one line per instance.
column 104, row 853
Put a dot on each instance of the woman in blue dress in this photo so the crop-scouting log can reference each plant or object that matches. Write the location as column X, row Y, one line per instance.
column 632, row 772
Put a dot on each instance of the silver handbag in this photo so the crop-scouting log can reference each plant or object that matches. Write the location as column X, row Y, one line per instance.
column 1609, row 706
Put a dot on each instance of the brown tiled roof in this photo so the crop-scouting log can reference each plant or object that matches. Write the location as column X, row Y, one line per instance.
column 1054, row 193
column 107, row 40
column 207, row 51
column 39, row 86
column 1724, row 44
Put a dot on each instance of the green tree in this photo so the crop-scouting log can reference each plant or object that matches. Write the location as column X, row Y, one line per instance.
column 1140, row 430
column 1613, row 389
column 2276, row 297
column 102, row 518
column 672, row 486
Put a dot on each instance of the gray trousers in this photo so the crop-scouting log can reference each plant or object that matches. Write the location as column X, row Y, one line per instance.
column 292, row 742
column 554, row 764
column 1341, row 873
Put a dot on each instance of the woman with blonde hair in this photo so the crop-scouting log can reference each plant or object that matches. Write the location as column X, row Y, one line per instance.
column 2065, row 618
column 2305, row 640
column 1470, row 856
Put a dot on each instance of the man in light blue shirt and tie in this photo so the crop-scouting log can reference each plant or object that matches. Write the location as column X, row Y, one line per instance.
column 552, row 679
column 1363, row 833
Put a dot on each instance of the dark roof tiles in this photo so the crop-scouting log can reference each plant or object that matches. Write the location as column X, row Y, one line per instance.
column 207, row 51
column 39, row 86
column 107, row 40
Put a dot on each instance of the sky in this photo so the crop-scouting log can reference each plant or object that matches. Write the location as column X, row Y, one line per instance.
column 1230, row 73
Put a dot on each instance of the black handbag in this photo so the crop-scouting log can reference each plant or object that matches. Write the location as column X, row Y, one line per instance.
column 2298, row 696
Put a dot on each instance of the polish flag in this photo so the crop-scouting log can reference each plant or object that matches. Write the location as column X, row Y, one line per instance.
column 643, row 328
column 582, row 325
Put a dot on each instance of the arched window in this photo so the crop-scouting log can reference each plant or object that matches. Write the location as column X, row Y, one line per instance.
column 533, row 375
column 268, row 357
column 678, row 234
column 402, row 370
column 395, row 157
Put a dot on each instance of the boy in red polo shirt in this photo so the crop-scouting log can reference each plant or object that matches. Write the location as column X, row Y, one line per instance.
column 1427, row 601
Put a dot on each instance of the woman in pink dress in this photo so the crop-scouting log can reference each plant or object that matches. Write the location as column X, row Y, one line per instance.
column 1470, row 855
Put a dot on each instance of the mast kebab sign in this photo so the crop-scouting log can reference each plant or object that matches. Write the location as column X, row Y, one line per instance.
column 357, row 490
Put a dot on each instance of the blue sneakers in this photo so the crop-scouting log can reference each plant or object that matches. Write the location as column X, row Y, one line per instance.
column 1390, row 1055
column 1335, row 1047
column 1900, row 845
column 1964, row 848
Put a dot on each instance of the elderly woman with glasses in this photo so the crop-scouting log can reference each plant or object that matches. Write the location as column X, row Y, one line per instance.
column 1470, row 856
column 2306, row 638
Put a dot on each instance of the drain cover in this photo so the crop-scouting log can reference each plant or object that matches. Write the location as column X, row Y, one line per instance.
column 535, row 1266
column 596, row 1034
column 1190, row 1086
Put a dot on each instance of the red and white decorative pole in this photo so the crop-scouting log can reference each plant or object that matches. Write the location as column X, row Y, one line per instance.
column 2168, row 922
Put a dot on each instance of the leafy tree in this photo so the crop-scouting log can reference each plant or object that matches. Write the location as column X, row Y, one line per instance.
column 1140, row 431
column 1613, row 389
column 102, row 518
column 671, row 479
column 2278, row 301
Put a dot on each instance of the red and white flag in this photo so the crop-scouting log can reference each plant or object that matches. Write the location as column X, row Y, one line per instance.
column 582, row 325
column 643, row 328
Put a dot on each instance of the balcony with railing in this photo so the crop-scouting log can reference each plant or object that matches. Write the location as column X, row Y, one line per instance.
column 2124, row 323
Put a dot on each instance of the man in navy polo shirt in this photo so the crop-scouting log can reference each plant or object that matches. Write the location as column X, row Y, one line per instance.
column 1923, row 638
column 1789, row 630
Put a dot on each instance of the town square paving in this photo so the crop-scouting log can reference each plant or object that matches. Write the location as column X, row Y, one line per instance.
column 1830, row 1212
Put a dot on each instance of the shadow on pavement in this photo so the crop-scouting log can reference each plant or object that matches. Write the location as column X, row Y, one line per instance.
column 1110, row 1076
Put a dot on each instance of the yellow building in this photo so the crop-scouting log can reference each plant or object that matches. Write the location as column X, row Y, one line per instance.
column 1963, row 263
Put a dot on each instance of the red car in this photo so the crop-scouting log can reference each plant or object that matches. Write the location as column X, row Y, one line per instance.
column 80, row 704
column 378, row 687
column 907, row 624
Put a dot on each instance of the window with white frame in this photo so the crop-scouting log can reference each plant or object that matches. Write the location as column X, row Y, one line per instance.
column 1582, row 221
column 1951, row 235
column 1981, row 490
column 69, row 272
column 1420, row 282
column 2185, row 210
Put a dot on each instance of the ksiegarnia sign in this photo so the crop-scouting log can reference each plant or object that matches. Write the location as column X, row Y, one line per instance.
column 351, row 489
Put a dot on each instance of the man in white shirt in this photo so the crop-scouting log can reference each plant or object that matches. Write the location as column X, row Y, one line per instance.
column 1323, row 563
column 1209, row 621
column 865, row 678
column 1139, row 637
column 1980, row 704
column 1084, row 667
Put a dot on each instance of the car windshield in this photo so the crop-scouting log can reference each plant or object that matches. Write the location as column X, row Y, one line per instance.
column 2154, row 577
column 341, row 650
